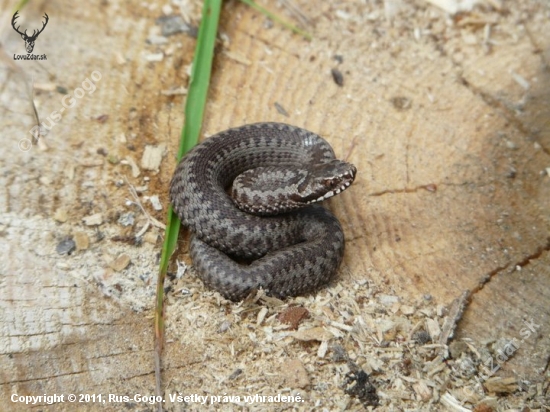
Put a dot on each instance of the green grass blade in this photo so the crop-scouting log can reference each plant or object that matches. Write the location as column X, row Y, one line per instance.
column 200, row 75
column 276, row 18
column 194, row 111
column 21, row 4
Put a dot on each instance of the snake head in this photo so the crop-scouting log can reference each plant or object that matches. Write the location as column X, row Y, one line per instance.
column 278, row 189
column 327, row 180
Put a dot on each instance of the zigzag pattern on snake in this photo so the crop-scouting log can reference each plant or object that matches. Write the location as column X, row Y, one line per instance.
column 292, row 253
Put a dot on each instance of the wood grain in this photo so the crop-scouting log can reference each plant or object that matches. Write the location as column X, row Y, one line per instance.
column 452, row 193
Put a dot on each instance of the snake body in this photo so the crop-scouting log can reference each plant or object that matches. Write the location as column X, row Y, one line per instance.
column 291, row 253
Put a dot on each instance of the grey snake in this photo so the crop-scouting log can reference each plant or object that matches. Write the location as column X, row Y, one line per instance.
column 247, row 196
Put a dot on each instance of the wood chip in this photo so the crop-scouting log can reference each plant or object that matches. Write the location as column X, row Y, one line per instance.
column 261, row 316
column 422, row 390
column 154, row 57
column 320, row 334
column 457, row 348
column 453, row 6
column 120, row 263
column 483, row 407
column 81, row 240
column 433, row 329
column 455, row 314
column 293, row 316
column 95, row 162
column 497, row 4
column 155, row 202
column 501, row 385
column 323, row 348
column 135, row 169
column 294, row 374
column 387, row 300
column 155, row 39
column 152, row 157
column 120, row 59
column 452, row 403
column 342, row 326
column 61, row 215
column 270, row 301
column 46, row 87
column 177, row 91
column 93, row 220
column 407, row 310
column 520, row 80
column 151, row 237
column 239, row 58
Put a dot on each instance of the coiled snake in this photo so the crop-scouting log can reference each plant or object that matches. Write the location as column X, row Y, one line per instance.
column 270, row 168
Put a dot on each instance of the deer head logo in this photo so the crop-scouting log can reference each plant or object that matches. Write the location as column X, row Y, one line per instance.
column 29, row 40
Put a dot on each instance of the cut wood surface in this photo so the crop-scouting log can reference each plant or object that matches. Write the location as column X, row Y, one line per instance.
column 447, row 119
